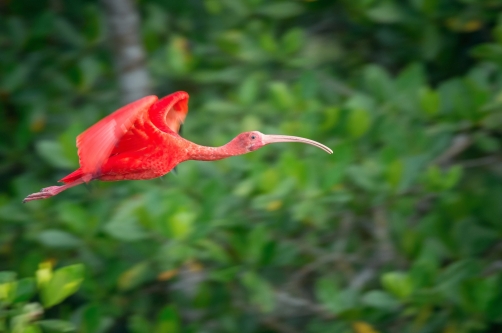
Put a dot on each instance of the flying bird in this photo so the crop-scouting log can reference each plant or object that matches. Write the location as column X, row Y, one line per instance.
column 141, row 141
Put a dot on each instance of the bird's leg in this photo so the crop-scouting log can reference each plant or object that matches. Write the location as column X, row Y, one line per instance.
column 51, row 191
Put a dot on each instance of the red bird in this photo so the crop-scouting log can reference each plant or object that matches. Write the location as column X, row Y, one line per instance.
column 141, row 141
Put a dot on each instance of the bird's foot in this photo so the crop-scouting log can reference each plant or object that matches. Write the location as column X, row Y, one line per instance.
column 44, row 193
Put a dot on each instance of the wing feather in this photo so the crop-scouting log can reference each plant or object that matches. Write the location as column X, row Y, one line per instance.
column 96, row 143
column 169, row 113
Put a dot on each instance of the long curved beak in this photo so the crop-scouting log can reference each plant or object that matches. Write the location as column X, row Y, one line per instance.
column 286, row 138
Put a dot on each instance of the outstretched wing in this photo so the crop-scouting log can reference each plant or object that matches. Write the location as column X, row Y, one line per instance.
column 96, row 143
column 169, row 113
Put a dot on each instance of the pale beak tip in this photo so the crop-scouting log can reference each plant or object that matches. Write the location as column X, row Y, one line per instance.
column 286, row 138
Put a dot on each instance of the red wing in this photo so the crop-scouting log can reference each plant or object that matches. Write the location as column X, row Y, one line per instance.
column 170, row 111
column 135, row 139
column 96, row 143
column 166, row 115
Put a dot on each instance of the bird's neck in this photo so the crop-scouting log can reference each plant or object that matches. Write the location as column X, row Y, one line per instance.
column 203, row 153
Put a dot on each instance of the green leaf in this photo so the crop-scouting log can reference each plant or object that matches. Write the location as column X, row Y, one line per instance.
column 256, row 241
column 44, row 273
column 473, row 237
column 66, row 32
column 58, row 239
column 225, row 275
column 363, row 177
column 15, row 78
column 17, row 28
column 31, row 329
column 281, row 10
column 57, row 325
column 25, row 289
column 138, row 324
column 488, row 51
column 452, row 177
column 7, row 277
column 7, row 292
column 478, row 293
column 359, row 122
column 261, row 293
column 395, row 171
column 22, row 322
column 431, row 41
column 76, row 218
column 429, row 101
column 397, row 283
column 91, row 71
column 53, row 154
column 124, row 225
column 229, row 42
column 268, row 43
column 249, row 89
column 450, row 279
column 91, row 319
column 386, row 12
column 332, row 297
column 63, row 283
column 487, row 143
column 308, row 86
column 281, row 95
column 293, row 40
column 177, row 55
column 332, row 115
column 244, row 188
column 8, row 287
column 378, row 82
column 434, row 178
column 494, row 311
column 134, row 276
column 380, row 299
column 411, row 79
column 181, row 224
column 413, row 168
column 93, row 29
column 168, row 321
column 426, row 6
column 214, row 7
column 214, row 251
column 438, row 180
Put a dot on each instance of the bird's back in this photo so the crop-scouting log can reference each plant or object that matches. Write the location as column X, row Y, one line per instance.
column 144, row 152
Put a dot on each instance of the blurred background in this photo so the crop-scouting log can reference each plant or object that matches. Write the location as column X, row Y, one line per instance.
column 400, row 230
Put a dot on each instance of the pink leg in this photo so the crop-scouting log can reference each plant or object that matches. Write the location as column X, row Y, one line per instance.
column 51, row 191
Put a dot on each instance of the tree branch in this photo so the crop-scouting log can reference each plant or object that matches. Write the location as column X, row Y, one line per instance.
column 459, row 143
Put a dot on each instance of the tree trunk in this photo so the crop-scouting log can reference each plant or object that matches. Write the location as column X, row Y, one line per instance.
column 129, row 56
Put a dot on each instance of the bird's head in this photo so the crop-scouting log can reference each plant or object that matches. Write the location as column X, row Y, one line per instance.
column 251, row 141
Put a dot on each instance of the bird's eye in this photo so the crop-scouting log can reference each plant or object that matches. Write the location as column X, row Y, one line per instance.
column 253, row 137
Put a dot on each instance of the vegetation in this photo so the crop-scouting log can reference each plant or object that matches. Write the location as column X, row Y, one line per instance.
column 398, row 231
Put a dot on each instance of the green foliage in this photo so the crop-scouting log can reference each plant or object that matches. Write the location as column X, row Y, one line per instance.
column 19, row 310
column 398, row 231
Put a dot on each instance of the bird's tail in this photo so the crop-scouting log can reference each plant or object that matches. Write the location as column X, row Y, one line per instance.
column 77, row 174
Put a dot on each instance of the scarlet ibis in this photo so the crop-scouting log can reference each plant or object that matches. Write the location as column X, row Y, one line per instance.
column 141, row 141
